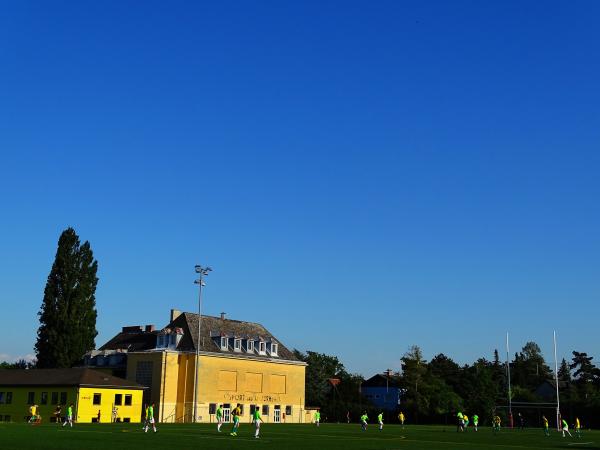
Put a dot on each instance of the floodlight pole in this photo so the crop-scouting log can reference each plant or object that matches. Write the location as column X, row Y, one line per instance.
column 202, row 272
column 558, row 424
column 508, row 372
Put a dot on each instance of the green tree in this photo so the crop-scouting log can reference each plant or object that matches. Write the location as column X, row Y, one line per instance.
column 414, row 371
column 68, row 312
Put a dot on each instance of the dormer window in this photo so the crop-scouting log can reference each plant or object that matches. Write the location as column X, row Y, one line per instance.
column 224, row 345
column 250, row 346
column 262, row 348
column 237, row 345
column 274, row 348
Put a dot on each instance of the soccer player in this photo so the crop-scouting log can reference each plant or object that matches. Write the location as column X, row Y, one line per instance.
column 257, row 420
column 145, row 416
column 317, row 418
column 363, row 421
column 475, row 421
column 496, row 423
column 380, row 420
column 219, row 418
column 465, row 422
column 32, row 413
column 236, row 420
column 69, row 416
column 577, row 427
column 401, row 418
column 459, row 422
column 150, row 418
column 546, row 428
column 115, row 413
column 58, row 414
column 565, row 427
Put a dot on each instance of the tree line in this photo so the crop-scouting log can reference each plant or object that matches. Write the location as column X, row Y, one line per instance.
column 434, row 391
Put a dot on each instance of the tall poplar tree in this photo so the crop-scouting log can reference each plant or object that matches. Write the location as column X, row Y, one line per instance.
column 68, row 313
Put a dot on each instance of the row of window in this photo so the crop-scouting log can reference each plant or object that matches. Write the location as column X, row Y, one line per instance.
column 212, row 408
column 44, row 398
column 4, row 418
column 6, row 397
column 250, row 347
column 97, row 399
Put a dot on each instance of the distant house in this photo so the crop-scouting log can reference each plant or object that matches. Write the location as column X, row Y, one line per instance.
column 90, row 391
column 547, row 390
column 383, row 391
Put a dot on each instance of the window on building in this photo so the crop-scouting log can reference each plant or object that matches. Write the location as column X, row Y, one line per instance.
column 241, row 410
column 63, row 398
column 97, row 399
column 288, row 410
column 8, row 400
column 265, row 409
column 1, row 397
column 224, row 343
column 126, row 419
column 212, row 408
column 127, row 399
column 31, row 398
column 250, row 346
column 0, row 418
column 54, row 398
column 237, row 345
column 262, row 347
column 274, row 348
column 44, row 398
column 252, row 409
column 118, row 399
column 7, row 418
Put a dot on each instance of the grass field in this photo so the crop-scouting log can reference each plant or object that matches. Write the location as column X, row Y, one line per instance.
column 281, row 437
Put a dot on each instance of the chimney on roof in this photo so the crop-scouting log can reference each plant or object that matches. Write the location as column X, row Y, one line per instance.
column 134, row 329
column 149, row 328
column 222, row 316
column 175, row 313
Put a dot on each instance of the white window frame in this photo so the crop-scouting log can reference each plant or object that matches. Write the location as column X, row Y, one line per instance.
column 250, row 346
column 262, row 348
column 237, row 345
column 274, row 348
column 226, row 341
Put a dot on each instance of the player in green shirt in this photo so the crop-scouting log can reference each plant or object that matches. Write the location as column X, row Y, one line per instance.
column 565, row 428
column 257, row 420
column 69, row 416
column 219, row 418
column 475, row 421
column 380, row 420
column 317, row 418
column 236, row 420
column 460, row 425
column 363, row 421
column 150, row 418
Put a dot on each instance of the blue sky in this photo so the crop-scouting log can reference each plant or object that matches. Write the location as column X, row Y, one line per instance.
column 362, row 177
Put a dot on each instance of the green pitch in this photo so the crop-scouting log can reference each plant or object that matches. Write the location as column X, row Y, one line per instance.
column 281, row 437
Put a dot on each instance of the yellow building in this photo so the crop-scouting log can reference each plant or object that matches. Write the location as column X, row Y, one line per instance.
column 93, row 394
column 240, row 363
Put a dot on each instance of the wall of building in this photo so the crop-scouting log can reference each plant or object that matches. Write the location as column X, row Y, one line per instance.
column 87, row 411
column 222, row 380
column 18, row 408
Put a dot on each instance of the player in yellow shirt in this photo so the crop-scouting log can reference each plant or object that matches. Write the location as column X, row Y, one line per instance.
column 401, row 418
column 577, row 427
column 546, row 428
column 237, row 412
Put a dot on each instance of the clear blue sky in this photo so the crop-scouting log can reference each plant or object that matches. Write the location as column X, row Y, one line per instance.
column 362, row 176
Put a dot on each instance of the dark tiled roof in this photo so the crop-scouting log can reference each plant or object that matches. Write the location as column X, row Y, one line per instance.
column 380, row 380
column 62, row 377
column 132, row 341
column 214, row 327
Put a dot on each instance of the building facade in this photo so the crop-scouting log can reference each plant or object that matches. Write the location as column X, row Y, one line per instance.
column 240, row 363
column 383, row 391
column 94, row 395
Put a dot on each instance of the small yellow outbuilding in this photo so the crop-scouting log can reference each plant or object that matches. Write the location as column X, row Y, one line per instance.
column 95, row 395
